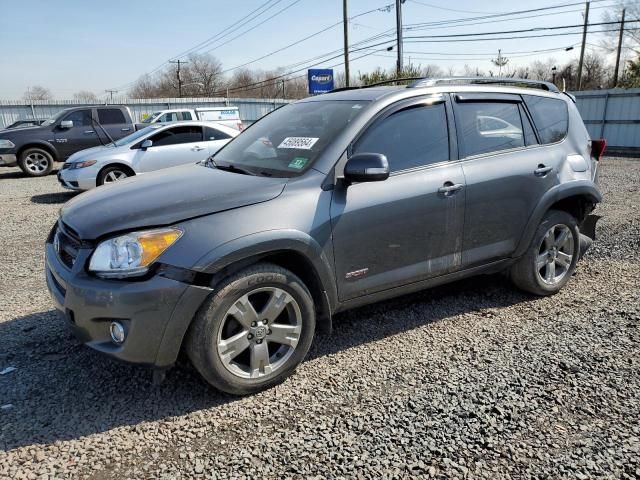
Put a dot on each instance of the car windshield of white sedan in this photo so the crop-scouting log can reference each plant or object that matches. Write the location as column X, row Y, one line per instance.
column 286, row 142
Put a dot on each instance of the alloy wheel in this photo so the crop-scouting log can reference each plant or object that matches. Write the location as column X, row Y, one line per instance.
column 259, row 332
column 114, row 176
column 555, row 254
column 36, row 162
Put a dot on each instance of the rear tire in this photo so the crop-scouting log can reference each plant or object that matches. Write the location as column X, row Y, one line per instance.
column 253, row 331
column 551, row 258
column 113, row 174
column 36, row 162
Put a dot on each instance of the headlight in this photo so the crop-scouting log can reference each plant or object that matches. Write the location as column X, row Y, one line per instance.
column 6, row 144
column 130, row 255
column 87, row 163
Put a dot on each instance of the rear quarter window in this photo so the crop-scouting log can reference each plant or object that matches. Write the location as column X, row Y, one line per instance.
column 550, row 116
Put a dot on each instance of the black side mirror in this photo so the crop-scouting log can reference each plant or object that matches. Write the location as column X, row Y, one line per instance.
column 366, row 167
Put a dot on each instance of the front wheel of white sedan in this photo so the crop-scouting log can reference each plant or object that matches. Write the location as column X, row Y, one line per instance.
column 113, row 174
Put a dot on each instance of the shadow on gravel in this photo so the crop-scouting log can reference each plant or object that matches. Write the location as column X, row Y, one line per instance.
column 49, row 198
column 62, row 390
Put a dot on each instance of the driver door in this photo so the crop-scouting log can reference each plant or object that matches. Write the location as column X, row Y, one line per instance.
column 79, row 137
column 173, row 146
column 406, row 228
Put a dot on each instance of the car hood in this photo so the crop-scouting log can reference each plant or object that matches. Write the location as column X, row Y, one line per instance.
column 14, row 133
column 93, row 152
column 163, row 198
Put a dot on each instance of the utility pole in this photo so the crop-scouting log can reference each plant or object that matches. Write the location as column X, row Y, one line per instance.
column 399, row 36
column 620, row 39
column 584, row 42
column 283, row 92
column 345, row 21
column 179, row 62
column 111, row 92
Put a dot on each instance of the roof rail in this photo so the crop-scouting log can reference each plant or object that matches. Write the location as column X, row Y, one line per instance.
column 516, row 82
column 377, row 84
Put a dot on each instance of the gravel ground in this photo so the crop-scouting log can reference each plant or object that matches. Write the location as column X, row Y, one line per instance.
column 473, row 379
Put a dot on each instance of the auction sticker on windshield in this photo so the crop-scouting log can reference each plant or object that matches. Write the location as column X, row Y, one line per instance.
column 300, row 143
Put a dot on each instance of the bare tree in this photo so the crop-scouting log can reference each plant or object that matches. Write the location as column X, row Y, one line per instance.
column 85, row 96
column 37, row 93
column 632, row 30
column 202, row 75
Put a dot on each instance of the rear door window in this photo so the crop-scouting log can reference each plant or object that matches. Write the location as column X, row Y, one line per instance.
column 550, row 116
column 111, row 116
column 485, row 127
column 186, row 116
column 177, row 135
column 214, row 134
column 414, row 137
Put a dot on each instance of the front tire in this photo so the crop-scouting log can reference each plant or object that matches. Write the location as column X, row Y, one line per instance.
column 253, row 331
column 36, row 162
column 551, row 258
column 112, row 175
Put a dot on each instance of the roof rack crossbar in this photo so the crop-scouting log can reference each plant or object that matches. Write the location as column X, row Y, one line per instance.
column 431, row 82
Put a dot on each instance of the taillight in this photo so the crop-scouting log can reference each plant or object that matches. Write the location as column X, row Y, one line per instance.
column 597, row 148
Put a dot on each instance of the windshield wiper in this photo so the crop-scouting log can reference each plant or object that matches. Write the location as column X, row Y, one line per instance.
column 233, row 168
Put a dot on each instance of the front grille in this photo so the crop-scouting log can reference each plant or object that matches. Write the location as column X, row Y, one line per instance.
column 66, row 245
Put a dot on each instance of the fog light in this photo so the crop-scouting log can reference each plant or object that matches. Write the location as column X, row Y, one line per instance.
column 117, row 332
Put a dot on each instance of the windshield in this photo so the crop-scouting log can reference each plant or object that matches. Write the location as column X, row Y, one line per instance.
column 151, row 117
column 54, row 119
column 288, row 141
column 135, row 136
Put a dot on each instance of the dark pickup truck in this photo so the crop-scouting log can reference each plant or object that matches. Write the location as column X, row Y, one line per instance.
column 35, row 149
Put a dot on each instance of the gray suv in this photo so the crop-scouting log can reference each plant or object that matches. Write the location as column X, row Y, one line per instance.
column 329, row 203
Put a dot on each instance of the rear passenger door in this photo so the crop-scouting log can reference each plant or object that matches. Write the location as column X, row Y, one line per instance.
column 505, row 169
column 173, row 146
column 114, row 122
column 406, row 228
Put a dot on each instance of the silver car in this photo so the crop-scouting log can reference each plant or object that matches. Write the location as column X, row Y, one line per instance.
column 152, row 148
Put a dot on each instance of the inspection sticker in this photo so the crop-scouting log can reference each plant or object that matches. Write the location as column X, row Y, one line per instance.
column 298, row 163
column 300, row 143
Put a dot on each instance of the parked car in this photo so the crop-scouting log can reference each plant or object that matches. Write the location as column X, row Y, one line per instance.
column 359, row 195
column 227, row 116
column 36, row 149
column 32, row 122
column 152, row 148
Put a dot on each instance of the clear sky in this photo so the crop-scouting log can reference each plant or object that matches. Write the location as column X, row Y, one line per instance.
column 72, row 45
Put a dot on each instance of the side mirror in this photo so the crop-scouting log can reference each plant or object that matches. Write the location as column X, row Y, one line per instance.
column 66, row 124
column 146, row 144
column 366, row 167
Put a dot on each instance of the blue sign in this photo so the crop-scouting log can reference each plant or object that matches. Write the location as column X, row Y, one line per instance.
column 320, row 80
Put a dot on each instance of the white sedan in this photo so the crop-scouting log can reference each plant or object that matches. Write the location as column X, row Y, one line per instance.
column 152, row 148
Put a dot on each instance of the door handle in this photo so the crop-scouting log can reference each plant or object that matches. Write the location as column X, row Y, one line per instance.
column 450, row 187
column 88, row 132
column 197, row 149
column 125, row 129
column 542, row 170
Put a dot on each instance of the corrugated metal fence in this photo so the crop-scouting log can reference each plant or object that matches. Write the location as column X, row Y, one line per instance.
column 614, row 115
column 611, row 114
column 251, row 109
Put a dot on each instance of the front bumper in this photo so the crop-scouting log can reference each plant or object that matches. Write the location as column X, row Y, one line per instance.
column 77, row 179
column 155, row 312
column 8, row 160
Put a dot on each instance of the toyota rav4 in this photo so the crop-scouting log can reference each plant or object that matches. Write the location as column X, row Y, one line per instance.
column 325, row 204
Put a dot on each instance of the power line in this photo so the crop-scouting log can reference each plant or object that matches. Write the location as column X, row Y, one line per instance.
column 297, row 42
column 445, row 8
column 512, row 37
column 235, row 24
